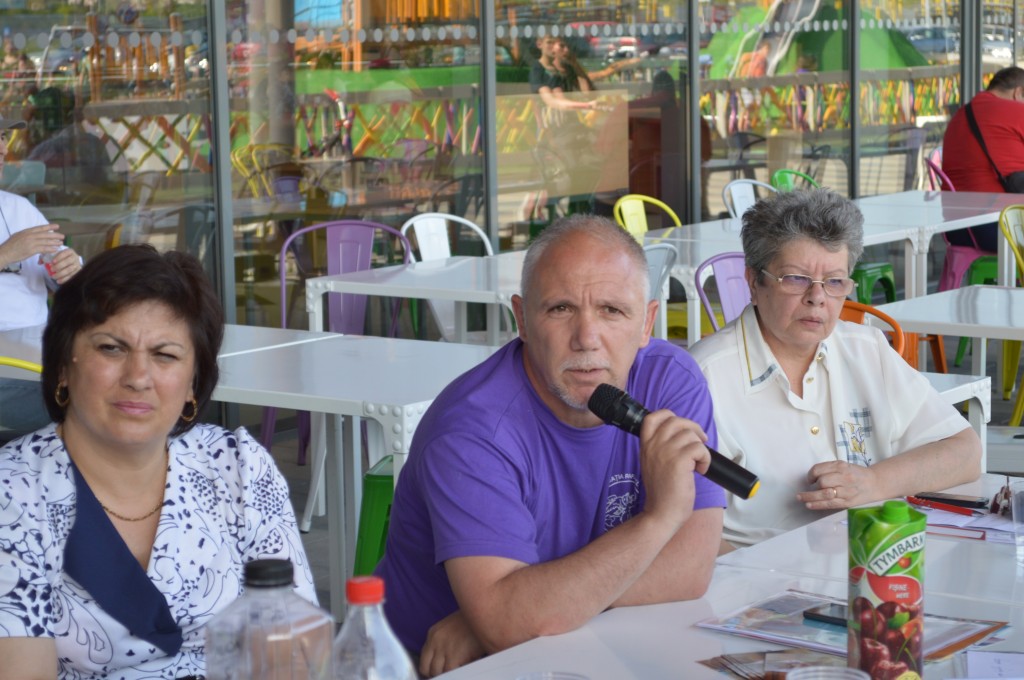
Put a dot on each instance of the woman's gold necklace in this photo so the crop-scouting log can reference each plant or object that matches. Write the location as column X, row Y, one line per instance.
column 134, row 519
column 119, row 516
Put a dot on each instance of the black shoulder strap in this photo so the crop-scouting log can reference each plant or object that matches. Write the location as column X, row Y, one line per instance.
column 981, row 140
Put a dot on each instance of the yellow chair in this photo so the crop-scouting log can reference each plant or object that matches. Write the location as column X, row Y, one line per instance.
column 263, row 157
column 5, row 434
column 21, row 363
column 1011, row 222
column 241, row 160
column 631, row 213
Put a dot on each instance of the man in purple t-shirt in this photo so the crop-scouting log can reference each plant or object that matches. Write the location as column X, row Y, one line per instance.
column 519, row 513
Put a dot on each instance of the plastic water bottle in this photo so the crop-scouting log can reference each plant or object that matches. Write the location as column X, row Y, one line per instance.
column 366, row 648
column 269, row 633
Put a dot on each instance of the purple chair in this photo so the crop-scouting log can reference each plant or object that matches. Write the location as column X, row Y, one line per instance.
column 733, row 290
column 349, row 249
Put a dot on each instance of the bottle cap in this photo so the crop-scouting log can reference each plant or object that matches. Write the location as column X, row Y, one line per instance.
column 268, row 573
column 895, row 512
column 365, row 590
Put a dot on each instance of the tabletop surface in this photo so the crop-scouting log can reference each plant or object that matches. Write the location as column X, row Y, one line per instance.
column 470, row 279
column 26, row 343
column 334, row 374
column 972, row 311
column 967, row 578
column 240, row 339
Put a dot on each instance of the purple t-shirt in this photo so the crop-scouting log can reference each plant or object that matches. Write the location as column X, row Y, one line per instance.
column 493, row 472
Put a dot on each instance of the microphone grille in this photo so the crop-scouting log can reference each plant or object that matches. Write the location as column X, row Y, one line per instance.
column 602, row 401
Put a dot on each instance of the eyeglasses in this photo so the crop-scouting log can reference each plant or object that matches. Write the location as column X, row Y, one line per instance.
column 798, row 284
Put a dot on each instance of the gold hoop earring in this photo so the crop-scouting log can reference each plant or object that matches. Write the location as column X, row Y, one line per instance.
column 67, row 395
column 195, row 412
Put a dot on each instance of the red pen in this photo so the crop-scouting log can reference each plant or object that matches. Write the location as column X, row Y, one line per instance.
column 924, row 503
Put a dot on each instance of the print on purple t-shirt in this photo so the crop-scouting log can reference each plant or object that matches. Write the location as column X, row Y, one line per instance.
column 493, row 472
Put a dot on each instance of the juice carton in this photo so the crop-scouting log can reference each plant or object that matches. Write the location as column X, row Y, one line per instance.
column 886, row 556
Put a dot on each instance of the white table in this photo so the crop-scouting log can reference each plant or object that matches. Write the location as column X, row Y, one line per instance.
column 661, row 641
column 388, row 380
column 942, row 211
column 972, row 311
column 976, row 391
column 979, row 312
column 963, row 568
column 491, row 280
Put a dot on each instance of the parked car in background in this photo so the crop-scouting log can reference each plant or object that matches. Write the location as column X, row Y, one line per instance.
column 938, row 44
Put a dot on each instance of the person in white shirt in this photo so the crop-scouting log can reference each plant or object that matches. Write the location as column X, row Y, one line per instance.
column 26, row 239
column 824, row 411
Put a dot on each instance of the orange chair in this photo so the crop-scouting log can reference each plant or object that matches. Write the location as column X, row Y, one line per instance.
column 856, row 311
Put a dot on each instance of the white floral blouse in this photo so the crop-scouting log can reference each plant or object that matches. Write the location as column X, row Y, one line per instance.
column 225, row 504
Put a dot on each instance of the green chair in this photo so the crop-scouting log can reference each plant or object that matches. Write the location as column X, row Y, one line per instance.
column 868, row 275
column 785, row 180
column 374, row 515
column 984, row 270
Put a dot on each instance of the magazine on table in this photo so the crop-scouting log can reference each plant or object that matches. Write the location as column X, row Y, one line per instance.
column 780, row 619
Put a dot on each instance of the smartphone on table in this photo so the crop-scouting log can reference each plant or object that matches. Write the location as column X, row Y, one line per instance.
column 832, row 613
column 975, row 502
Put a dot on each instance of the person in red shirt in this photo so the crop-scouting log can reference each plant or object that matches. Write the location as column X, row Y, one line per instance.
column 999, row 111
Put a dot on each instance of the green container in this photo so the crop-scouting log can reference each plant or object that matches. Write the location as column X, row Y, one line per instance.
column 886, row 555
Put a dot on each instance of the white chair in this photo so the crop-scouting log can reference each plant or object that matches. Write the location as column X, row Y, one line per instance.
column 431, row 232
column 431, row 237
column 661, row 257
column 739, row 194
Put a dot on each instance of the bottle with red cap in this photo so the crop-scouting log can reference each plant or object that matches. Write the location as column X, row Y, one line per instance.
column 366, row 647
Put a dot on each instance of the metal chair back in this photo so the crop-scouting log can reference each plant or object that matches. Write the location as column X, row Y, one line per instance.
column 349, row 249
column 631, row 213
column 937, row 179
column 855, row 312
column 661, row 257
column 740, row 194
column 786, row 180
column 433, row 233
column 733, row 292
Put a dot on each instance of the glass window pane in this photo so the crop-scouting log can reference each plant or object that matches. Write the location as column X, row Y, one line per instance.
column 907, row 101
column 776, row 95
column 590, row 109
column 116, row 148
column 346, row 110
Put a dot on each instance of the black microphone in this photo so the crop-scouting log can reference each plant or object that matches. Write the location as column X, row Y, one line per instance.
column 617, row 408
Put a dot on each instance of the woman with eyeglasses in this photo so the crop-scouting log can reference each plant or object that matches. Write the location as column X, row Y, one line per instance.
column 33, row 261
column 824, row 411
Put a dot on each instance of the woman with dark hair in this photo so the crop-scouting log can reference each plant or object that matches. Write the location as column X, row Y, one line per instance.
column 125, row 524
